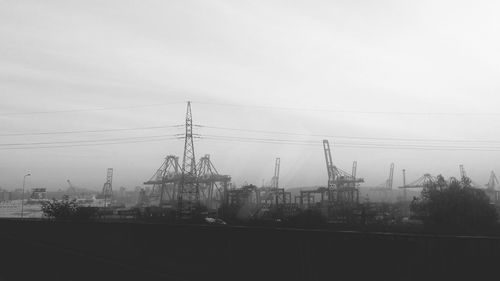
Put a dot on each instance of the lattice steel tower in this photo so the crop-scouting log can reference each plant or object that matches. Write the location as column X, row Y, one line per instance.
column 189, row 192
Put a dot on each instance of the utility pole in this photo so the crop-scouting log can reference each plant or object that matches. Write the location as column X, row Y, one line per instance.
column 404, row 184
column 22, row 197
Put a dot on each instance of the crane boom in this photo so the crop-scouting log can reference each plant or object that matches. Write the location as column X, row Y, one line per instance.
column 276, row 177
column 332, row 170
column 492, row 182
column 391, row 177
column 463, row 174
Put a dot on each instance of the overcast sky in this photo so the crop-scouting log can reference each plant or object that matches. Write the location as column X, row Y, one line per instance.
column 373, row 69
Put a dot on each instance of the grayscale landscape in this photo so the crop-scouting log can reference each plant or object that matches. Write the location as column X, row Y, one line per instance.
column 249, row 140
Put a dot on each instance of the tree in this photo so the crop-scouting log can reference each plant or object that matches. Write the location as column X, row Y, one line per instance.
column 67, row 210
column 454, row 204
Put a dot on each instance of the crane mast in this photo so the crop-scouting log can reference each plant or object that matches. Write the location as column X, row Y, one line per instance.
column 463, row 174
column 107, row 189
column 276, row 177
column 354, row 168
column 332, row 170
column 71, row 188
column 492, row 182
column 404, row 184
column 390, row 180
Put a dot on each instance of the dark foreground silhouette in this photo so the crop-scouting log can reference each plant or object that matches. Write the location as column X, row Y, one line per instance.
column 57, row 250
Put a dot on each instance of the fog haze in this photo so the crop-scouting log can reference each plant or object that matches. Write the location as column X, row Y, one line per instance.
column 368, row 69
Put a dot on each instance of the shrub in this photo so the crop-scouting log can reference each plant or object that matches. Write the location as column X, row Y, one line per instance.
column 67, row 210
column 455, row 205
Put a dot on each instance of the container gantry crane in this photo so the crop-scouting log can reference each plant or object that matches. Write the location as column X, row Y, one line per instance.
column 386, row 187
column 491, row 190
column 492, row 182
column 341, row 187
column 424, row 181
column 463, row 175
column 274, row 194
column 107, row 189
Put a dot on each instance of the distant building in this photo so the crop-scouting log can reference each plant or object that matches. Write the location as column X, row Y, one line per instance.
column 494, row 195
column 38, row 193
column 5, row 195
column 17, row 194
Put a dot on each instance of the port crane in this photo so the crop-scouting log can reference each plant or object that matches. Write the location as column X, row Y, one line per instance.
column 341, row 186
column 492, row 182
column 274, row 194
column 107, row 189
column 71, row 188
column 424, row 181
column 463, row 175
column 386, row 187
column 491, row 190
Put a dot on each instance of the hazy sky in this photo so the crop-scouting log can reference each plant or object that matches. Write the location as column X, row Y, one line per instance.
column 373, row 68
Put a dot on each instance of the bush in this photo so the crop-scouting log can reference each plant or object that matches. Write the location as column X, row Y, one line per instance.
column 454, row 205
column 67, row 210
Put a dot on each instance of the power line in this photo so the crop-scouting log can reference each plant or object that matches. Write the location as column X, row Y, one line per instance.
column 347, row 137
column 358, row 146
column 110, row 141
column 261, row 139
column 258, row 141
column 253, row 131
column 352, row 145
column 89, row 109
column 89, row 144
column 353, row 111
column 85, row 141
column 90, row 131
column 261, row 107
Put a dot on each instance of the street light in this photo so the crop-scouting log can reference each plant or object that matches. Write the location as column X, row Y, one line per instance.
column 22, row 197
